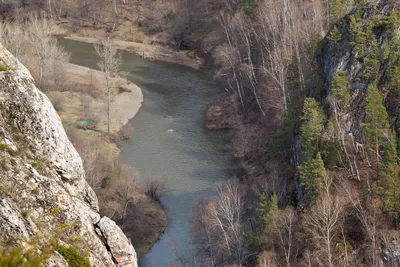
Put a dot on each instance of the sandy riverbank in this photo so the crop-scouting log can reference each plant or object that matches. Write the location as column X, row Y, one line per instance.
column 125, row 103
column 150, row 51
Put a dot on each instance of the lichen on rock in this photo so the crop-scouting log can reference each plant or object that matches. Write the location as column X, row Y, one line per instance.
column 43, row 192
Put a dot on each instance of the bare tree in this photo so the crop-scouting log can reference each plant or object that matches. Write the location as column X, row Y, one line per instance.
column 109, row 64
column 286, row 227
column 156, row 187
column 220, row 225
column 33, row 44
column 322, row 223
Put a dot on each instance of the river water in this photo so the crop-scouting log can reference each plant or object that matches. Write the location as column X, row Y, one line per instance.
column 168, row 139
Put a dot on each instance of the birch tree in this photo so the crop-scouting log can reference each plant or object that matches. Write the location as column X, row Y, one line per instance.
column 109, row 64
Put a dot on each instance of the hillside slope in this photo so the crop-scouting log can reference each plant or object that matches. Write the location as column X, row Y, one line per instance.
column 44, row 198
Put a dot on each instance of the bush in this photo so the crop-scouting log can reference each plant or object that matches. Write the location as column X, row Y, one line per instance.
column 4, row 146
column 156, row 187
column 72, row 256
column 4, row 68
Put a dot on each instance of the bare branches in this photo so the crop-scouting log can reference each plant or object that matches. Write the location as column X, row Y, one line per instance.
column 322, row 222
column 109, row 63
column 220, row 226
column 33, row 44
column 156, row 187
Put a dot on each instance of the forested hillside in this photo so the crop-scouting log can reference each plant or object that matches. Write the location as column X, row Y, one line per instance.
column 313, row 93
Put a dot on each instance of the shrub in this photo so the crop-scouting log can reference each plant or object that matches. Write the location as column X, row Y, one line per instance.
column 4, row 68
column 156, row 187
column 39, row 166
column 4, row 146
column 72, row 256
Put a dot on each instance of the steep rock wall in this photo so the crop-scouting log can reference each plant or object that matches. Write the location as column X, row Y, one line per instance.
column 43, row 192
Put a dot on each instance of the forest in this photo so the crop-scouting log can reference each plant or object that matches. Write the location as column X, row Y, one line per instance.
column 312, row 91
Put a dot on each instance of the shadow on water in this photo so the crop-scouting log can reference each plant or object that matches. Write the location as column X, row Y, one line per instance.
column 168, row 138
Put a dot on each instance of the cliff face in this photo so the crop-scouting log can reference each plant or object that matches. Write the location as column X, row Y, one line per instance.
column 375, row 61
column 43, row 192
column 365, row 67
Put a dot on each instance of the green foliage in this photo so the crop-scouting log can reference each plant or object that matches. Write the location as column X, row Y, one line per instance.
column 371, row 61
column 388, row 185
column 388, row 23
column 310, row 171
column 376, row 126
column 392, row 55
column 358, row 35
column 336, row 9
column 4, row 146
column 39, row 166
column 253, row 241
column 266, row 209
column 31, row 256
column 313, row 120
column 395, row 79
column 72, row 256
column 5, row 164
column 340, row 93
column 16, row 258
column 4, row 68
column 314, row 77
column 335, row 36
column 331, row 151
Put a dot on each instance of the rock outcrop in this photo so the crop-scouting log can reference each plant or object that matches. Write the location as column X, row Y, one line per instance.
column 343, row 55
column 43, row 192
column 374, row 64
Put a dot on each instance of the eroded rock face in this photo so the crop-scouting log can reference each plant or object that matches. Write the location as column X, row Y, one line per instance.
column 119, row 245
column 43, row 192
column 341, row 56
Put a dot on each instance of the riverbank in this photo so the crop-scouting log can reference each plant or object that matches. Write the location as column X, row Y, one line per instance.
column 155, row 52
column 86, row 100
column 126, row 99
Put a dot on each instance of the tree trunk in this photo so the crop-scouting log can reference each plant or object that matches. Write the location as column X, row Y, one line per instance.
column 108, row 107
column 114, row 3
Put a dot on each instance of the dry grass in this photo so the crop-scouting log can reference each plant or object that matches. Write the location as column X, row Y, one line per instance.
column 147, row 226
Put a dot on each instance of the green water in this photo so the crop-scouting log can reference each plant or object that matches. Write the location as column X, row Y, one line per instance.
column 169, row 139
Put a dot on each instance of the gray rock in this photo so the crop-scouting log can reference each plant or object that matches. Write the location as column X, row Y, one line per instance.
column 120, row 247
column 43, row 190
column 57, row 260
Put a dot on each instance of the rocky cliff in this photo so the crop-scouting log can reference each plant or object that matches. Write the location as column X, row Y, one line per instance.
column 367, row 50
column 43, row 192
column 365, row 46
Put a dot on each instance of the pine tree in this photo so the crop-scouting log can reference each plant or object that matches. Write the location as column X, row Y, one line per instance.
column 311, row 129
column 310, row 171
column 266, row 209
column 340, row 92
column 313, row 124
column 335, row 36
column 376, row 126
column 388, row 185
column 336, row 9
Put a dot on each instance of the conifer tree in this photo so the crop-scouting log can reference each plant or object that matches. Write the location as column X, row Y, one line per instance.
column 313, row 124
column 266, row 209
column 340, row 92
column 376, row 126
column 388, row 185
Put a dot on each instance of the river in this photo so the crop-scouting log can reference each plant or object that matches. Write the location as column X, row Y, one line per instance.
column 169, row 139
